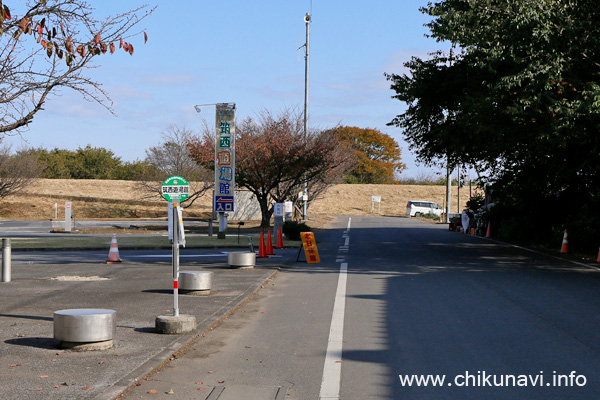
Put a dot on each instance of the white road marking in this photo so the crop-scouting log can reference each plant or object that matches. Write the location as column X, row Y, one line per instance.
column 332, row 369
column 180, row 256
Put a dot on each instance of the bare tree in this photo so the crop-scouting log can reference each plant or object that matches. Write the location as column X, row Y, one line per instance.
column 171, row 157
column 16, row 171
column 68, row 38
column 274, row 158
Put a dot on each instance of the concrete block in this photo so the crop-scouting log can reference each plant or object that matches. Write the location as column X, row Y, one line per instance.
column 172, row 325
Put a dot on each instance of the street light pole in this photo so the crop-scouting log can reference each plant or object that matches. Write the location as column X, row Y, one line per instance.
column 448, row 190
column 307, row 20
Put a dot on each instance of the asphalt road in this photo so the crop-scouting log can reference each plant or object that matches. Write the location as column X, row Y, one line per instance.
column 396, row 300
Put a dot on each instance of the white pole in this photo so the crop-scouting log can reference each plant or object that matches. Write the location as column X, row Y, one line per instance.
column 307, row 19
column 448, row 191
column 175, row 263
column 6, row 260
column 458, row 190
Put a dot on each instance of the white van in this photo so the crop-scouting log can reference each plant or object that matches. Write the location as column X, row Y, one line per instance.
column 419, row 208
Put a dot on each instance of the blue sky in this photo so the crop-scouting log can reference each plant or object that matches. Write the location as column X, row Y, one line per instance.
column 244, row 52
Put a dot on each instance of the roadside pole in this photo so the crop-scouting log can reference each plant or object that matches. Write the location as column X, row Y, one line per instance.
column 175, row 261
column 176, row 189
column 448, row 191
column 6, row 262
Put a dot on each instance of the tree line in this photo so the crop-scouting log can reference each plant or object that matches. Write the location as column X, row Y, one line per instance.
column 517, row 96
column 274, row 158
column 375, row 157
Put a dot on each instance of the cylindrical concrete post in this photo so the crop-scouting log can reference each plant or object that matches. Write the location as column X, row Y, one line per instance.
column 241, row 259
column 85, row 328
column 196, row 282
column 6, row 263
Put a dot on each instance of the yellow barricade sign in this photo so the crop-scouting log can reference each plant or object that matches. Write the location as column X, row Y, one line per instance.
column 310, row 248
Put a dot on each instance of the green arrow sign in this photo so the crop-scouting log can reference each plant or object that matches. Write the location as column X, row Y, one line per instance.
column 175, row 189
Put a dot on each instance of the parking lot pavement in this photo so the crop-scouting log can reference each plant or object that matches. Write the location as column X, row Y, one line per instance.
column 32, row 366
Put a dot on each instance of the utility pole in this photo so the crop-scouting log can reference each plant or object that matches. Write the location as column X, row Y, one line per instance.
column 448, row 190
column 307, row 20
column 458, row 191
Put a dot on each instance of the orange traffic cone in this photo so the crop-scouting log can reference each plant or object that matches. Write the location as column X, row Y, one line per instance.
column 598, row 255
column 488, row 234
column 565, row 243
column 270, row 251
column 279, row 244
column 262, row 252
column 113, row 253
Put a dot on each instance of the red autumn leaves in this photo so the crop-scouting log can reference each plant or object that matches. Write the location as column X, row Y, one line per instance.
column 56, row 40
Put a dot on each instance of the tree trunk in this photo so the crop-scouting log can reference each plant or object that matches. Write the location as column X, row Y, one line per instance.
column 265, row 211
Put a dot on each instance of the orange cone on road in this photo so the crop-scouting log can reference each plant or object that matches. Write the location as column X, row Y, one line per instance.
column 270, row 251
column 488, row 234
column 262, row 252
column 113, row 253
column 598, row 255
column 565, row 243
column 279, row 244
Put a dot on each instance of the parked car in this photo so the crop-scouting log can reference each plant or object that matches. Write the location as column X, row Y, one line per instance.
column 419, row 208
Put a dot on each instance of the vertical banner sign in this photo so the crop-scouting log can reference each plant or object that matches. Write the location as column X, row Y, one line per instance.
column 225, row 158
column 310, row 248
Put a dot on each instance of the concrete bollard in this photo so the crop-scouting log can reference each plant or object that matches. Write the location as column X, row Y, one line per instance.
column 6, row 260
column 241, row 259
column 197, row 283
column 85, row 328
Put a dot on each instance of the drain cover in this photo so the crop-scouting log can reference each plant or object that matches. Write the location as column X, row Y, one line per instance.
column 247, row 393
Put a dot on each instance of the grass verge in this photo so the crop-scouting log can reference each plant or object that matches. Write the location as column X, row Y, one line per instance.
column 134, row 242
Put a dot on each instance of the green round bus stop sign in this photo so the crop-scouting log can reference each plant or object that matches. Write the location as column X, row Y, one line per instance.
column 175, row 189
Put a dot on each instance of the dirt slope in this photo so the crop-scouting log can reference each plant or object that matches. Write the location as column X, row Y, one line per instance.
column 122, row 199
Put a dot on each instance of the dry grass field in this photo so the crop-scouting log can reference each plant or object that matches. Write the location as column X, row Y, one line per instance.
column 122, row 199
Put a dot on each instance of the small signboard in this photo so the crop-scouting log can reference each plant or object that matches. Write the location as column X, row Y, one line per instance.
column 175, row 189
column 310, row 248
column 376, row 199
column 278, row 209
column 223, row 203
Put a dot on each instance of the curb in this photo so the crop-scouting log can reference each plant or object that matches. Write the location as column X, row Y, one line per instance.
column 179, row 345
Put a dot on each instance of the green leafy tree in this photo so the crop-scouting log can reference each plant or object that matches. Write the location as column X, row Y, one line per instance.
column 84, row 163
column 133, row 170
column 54, row 164
column 377, row 155
column 94, row 163
column 519, row 97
